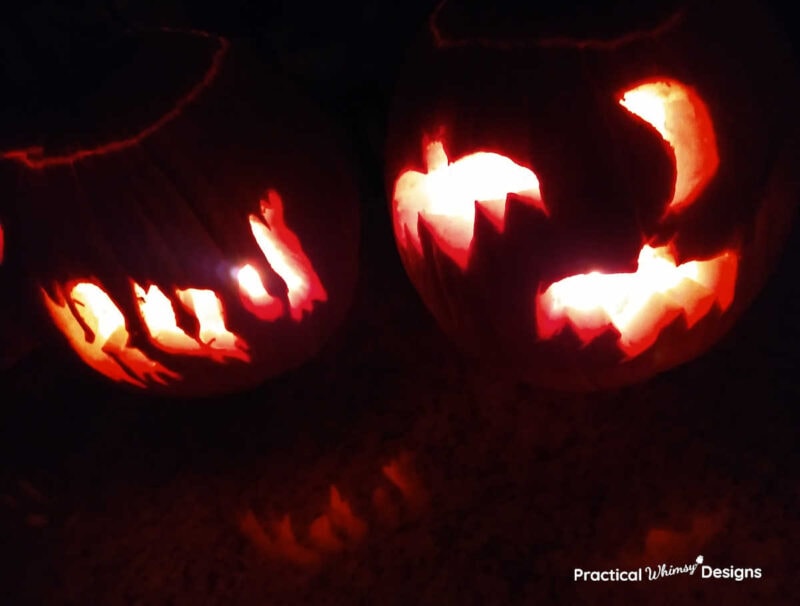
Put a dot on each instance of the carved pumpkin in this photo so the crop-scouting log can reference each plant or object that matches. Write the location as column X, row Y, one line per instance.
column 589, row 197
column 192, row 228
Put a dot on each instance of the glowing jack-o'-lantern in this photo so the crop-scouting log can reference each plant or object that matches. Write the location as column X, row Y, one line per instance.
column 199, row 232
column 591, row 200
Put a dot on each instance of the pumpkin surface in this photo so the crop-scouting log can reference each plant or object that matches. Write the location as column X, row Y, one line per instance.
column 589, row 195
column 189, row 222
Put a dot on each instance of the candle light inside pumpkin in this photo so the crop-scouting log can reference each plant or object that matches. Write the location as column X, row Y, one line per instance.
column 638, row 305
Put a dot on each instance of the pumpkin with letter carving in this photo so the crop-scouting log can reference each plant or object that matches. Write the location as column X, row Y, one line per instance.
column 188, row 220
column 591, row 194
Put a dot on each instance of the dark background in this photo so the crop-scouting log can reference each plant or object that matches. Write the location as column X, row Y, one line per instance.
column 107, row 498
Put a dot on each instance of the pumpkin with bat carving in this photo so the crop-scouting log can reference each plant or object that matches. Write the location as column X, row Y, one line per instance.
column 190, row 223
column 590, row 194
